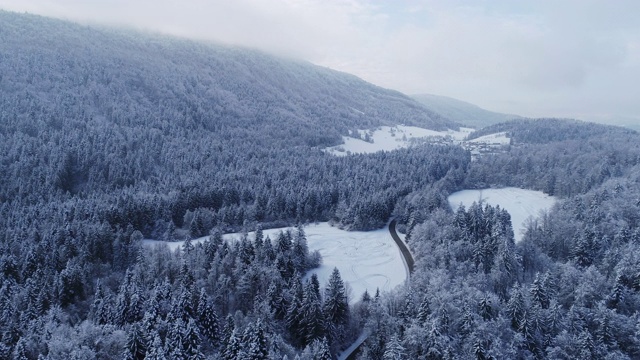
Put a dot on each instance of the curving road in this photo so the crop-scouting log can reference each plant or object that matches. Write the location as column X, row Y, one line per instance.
column 406, row 254
column 352, row 351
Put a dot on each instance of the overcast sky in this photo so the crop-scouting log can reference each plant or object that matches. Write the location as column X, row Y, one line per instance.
column 565, row 58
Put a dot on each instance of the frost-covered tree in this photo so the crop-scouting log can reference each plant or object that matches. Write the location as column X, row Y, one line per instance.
column 191, row 341
column 136, row 347
column 207, row 319
column 317, row 350
column 393, row 349
column 156, row 349
column 335, row 307
column 254, row 343
column 312, row 320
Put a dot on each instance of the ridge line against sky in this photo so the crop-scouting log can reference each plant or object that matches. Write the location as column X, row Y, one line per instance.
column 564, row 58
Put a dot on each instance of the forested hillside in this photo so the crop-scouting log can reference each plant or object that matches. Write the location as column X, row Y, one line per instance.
column 108, row 137
column 89, row 111
column 64, row 76
column 462, row 112
column 568, row 290
column 559, row 157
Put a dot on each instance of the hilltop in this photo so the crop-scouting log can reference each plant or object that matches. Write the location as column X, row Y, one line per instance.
column 64, row 75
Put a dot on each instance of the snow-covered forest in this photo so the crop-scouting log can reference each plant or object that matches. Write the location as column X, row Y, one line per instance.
column 109, row 137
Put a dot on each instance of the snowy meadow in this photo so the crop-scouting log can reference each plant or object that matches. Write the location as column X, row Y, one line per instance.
column 367, row 260
column 521, row 204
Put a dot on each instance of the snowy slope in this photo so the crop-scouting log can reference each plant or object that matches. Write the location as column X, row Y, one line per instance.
column 492, row 139
column 367, row 260
column 520, row 203
column 386, row 138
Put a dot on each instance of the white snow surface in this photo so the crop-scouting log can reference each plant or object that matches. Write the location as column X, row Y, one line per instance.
column 521, row 204
column 387, row 138
column 367, row 260
column 492, row 139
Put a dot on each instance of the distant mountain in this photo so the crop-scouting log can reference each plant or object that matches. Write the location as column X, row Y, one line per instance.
column 618, row 120
column 461, row 111
column 549, row 130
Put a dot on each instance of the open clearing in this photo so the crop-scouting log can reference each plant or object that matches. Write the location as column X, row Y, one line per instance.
column 367, row 260
column 387, row 138
column 520, row 203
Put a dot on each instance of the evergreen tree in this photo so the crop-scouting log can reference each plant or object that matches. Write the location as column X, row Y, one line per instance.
column 585, row 344
column 583, row 252
column 99, row 310
column 71, row 284
column 516, row 307
column 233, row 347
column 467, row 324
column 605, row 332
column 300, row 250
column 254, row 343
column 539, row 292
column 485, row 309
column 276, row 301
column 315, row 285
column 317, row 350
column 207, row 319
column 191, row 341
column 174, row 343
column 156, row 349
column 259, row 237
column 227, row 333
column 312, row 322
column 394, row 349
column 424, row 311
column 283, row 243
column 181, row 307
column 136, row 347
column 617, row 293
column 336, row 306
column 20, row 350
column 187, row 278
column 267, row 249
column 294, row 317
column 247, row 251
column 365, row 297
column 479, row 351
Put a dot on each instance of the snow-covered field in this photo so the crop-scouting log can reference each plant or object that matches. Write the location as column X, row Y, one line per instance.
column 388, row 138
column 520, row 203
column 492, row 139
column 366, row 259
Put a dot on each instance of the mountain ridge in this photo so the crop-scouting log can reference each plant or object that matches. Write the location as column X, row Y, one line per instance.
column 212, row 85
column 461, row 111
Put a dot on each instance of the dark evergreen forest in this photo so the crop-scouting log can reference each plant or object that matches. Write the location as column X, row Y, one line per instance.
column 568, row 290
column 108, row 137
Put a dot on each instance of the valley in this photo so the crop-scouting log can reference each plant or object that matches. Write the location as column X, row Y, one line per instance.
column 112, row 137
column 389, row 138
